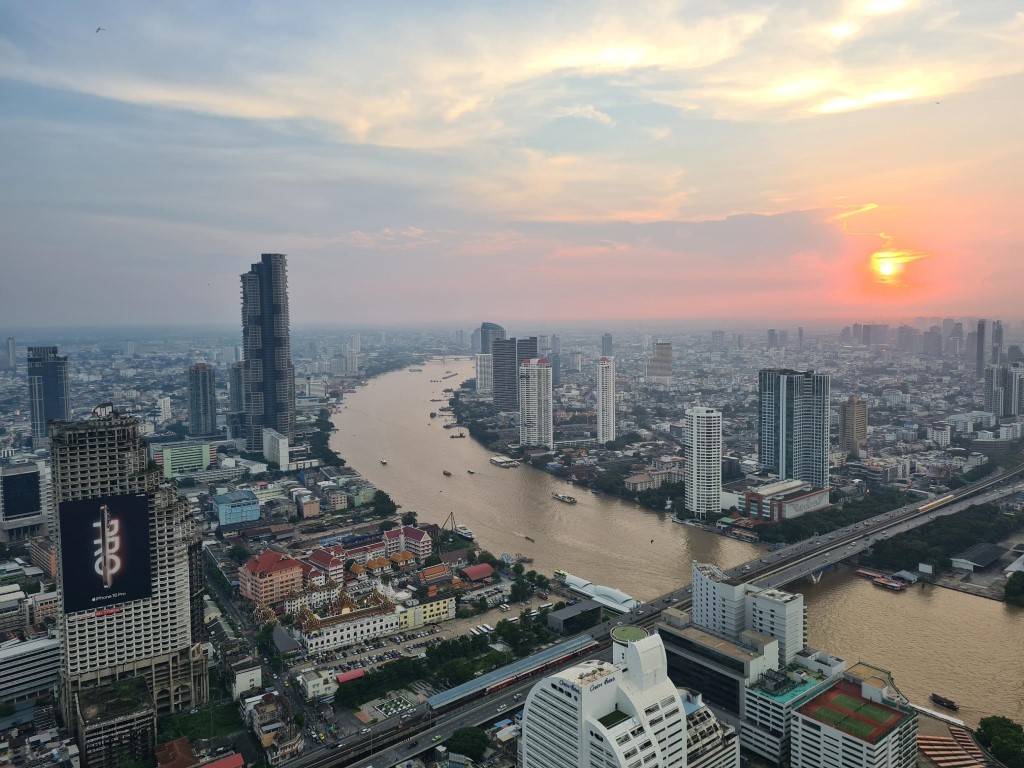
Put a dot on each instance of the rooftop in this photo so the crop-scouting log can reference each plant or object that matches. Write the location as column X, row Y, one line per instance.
column 118, row 699
column 236, row 497
column 843, row 707
column 628, row 634
column 613, row 718
column 719, row 644
column 982, row 555
column 785, row 692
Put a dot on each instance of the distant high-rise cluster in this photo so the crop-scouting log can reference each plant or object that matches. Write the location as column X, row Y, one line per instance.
column 202, row 400
column 49, row 396
column 266, row 340
column 793, row 424
column 9, row 360
column 536, row 410
column 605, row 400
column 1004, row 390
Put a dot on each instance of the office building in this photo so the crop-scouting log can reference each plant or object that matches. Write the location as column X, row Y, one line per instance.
column 276, row 449
column 127, row 615
column 1004, row 390
column 605, row 399
column 709, row 744
column 184, row 457
column 26, row 501
column 11, row 358
column 980, row 350
column 474, row 342
column 536, row 404
column 703, row 444
column 800, row 339
column 728, row 606
column 236, row 388
column 773, row 339
column 484, row 375
column 659, row 367
column 853, row 425
column 29, row 669
column 488, row 333
column 793, row 424
column 163, row 409
column 49, row 397
column 266, row 341
column 607, row 346
column 202, row 400
column 236, row 507
column 718, row 340
column 506, row 355
column 616, row 714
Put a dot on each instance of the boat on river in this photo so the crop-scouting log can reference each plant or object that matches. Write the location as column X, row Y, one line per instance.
column 894, row 584
column 471, row 471
column 564, row 497
column 530, row 538
column 504, row 462
column 384, row 462
column 446, row 473
column 942, row 701
column 464, row 532
column 456, row 437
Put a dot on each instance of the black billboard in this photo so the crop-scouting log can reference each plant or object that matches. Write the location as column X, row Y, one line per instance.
column 104, row 545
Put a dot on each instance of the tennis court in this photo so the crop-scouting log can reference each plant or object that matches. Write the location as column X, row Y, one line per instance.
column 843, row 708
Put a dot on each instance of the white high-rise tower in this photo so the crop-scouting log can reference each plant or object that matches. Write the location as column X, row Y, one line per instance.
column 703, row 437
column 484, row 374
column 615, row 715
column 536, row 423
column 605, row 400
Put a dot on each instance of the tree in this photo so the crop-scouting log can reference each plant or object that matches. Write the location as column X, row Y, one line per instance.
column 387, row 525
column 383, row 506
column 483, row 556
column 299, row 719
column 518, row 569
column 521, row 590
column 1003, row 738
column 239, row 553
column 434, row 559
column 186, row 482
column 409, row 518
column 481, row 605
column 1015, row 589
column 471, row 742
column 455, row 672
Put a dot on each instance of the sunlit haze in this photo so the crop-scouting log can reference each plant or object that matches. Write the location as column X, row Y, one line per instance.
column 562, row 161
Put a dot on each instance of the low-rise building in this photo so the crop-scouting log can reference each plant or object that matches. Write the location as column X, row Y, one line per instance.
column 431, row 612
column 353, row 625
column 317, row 684
column 236, row 507
column 784, row 500
column 269, row 578
column 28, row 669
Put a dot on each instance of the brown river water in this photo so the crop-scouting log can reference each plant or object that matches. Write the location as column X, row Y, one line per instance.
column 932, row 639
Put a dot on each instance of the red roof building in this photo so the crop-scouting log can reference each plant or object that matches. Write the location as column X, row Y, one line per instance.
column 477, row 572
column 269, row 577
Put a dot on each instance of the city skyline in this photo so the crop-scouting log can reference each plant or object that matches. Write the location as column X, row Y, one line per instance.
column 864, row 172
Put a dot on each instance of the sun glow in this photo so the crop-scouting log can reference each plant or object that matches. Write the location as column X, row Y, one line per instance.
column 891, row 264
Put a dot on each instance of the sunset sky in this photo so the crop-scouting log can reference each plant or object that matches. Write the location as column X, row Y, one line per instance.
column 454, row 162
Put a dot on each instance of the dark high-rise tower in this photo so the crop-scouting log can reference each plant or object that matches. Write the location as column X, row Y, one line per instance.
column 507, row 354
column 607, row 346
column 12, row 360
column 236, row 388
column 980, row 352
column 488, row 333
column 202, row 400
column 793, row 425
column 49, row 399
column 266, row 342
column 997, row 342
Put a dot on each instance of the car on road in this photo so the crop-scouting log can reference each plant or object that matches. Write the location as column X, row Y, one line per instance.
column 365, row 730
column 518, row 696
column 437, row 737
column 503, row 707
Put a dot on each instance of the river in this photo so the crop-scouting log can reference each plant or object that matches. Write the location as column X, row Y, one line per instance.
column 931, row 639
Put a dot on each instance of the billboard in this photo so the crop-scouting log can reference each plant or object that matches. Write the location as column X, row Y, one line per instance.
column 104, row 545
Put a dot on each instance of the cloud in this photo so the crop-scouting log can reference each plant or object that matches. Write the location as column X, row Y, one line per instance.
column 586, row 112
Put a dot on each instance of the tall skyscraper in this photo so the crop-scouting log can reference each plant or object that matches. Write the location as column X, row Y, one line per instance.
column 703, row 441
column 605, row 400
column 981, row 351
column 800, row 339
column 236, row 388
column 488, row 333
column 506, row 355
column 997, row 341
column 12, row 358
column 1004, row 390
column 659, row 367
column 853, row 424
column 607, row 346
column 266, row 339
column 536, row 407
column 126, row 613
column 484, row 375
column 793, row 424
column 620, row 714
column 49, row 398
column 773, row 339
column 202, row 400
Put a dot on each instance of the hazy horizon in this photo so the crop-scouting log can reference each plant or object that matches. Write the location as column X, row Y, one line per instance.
column 845, row 160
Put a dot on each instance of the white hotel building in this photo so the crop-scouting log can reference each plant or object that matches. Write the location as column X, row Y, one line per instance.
column 703, row 438
column 484, row 375
column 624, row 714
